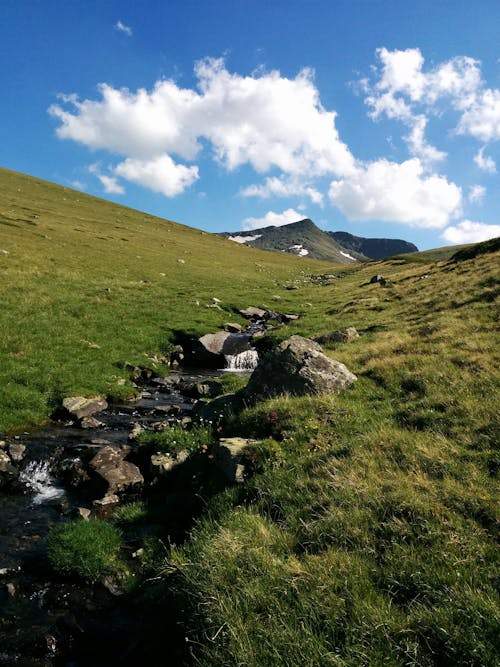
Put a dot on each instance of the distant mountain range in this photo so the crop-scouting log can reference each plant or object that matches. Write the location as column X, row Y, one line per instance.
column 373, row 248
column 305, row 238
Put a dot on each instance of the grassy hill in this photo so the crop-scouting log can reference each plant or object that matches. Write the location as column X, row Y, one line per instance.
column 296, row 237
column 86, row 284
column 370, row 538
column 368, row 535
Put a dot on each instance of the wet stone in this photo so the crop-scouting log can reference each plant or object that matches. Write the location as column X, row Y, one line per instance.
column 17, row 451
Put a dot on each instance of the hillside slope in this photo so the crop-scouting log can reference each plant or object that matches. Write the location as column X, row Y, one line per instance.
column 369, row 535
column 302, row 238
column 86, row 284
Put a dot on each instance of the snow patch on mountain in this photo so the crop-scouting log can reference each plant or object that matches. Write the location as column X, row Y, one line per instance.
column 244, row 239
column 299, row 250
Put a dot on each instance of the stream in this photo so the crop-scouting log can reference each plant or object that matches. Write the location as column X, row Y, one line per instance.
column 47, row 620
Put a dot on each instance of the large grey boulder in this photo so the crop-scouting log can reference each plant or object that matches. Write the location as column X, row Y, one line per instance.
column 297, row 367
column 210, row 350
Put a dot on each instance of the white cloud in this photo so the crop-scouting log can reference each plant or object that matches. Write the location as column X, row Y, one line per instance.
column 394, row 192
column 280, row 187
column 272, row 219
column 111, row 185
column 265, row 120
column 418, row 144
column 485, row 163
column 402, row 72
column 160, row 174
column 78, row 185
column 476, row 193
column 481, row 119
column 109, row 182
column 405, row 92
column 402, row 84
column 468, row 231
column 121, row 27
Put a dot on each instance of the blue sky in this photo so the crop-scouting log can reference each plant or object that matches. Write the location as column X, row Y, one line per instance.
column 376, row 117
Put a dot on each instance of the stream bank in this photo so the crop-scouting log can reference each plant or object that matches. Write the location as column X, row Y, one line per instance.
column 49, row 620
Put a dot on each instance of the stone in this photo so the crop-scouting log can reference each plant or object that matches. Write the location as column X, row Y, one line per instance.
column 162, row 463
column 119, row 475
column 5, row 461
column 106, row 500
column 376, row 279
column 297, row 367
column 227, row 456
column 252, row 313
column 233, row 327
column 17, row 451
column 224, row 342
column 137, row 429
column 340, row 336
column 79, row 406
column 8, row 472
column 84, row 513
column 90, row 422
column 210, row 350
column 74, row 472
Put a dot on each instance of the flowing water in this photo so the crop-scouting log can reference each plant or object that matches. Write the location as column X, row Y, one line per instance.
column 244, row 361
column 36, row 477
column 52, row 621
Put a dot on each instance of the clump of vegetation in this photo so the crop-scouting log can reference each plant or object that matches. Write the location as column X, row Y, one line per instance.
column 233, row 382
column 89, row 549
column 131, row 513
column 176, row 438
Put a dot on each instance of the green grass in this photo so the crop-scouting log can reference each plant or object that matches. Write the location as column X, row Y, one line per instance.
column 368, row 534
column 89, row 549
column 176, row 438
column 88, row 285
column 374, row 540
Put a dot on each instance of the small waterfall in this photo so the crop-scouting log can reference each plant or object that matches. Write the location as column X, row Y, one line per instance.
column 36, row 476
column 244, row 361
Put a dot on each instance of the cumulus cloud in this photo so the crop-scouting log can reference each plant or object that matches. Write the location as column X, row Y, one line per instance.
column 418, row 144
column 403, row 90
column 160, row 174
column 108, row 181
column 481, row 119
column 476, row 193
column 265, row 120
column 276, row 186
column 121, row 27
column 397, row 192
column 272, row 219
column 485, row 162
column 468, row 231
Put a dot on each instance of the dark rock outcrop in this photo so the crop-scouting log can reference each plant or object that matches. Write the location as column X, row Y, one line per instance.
column 373, row 248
